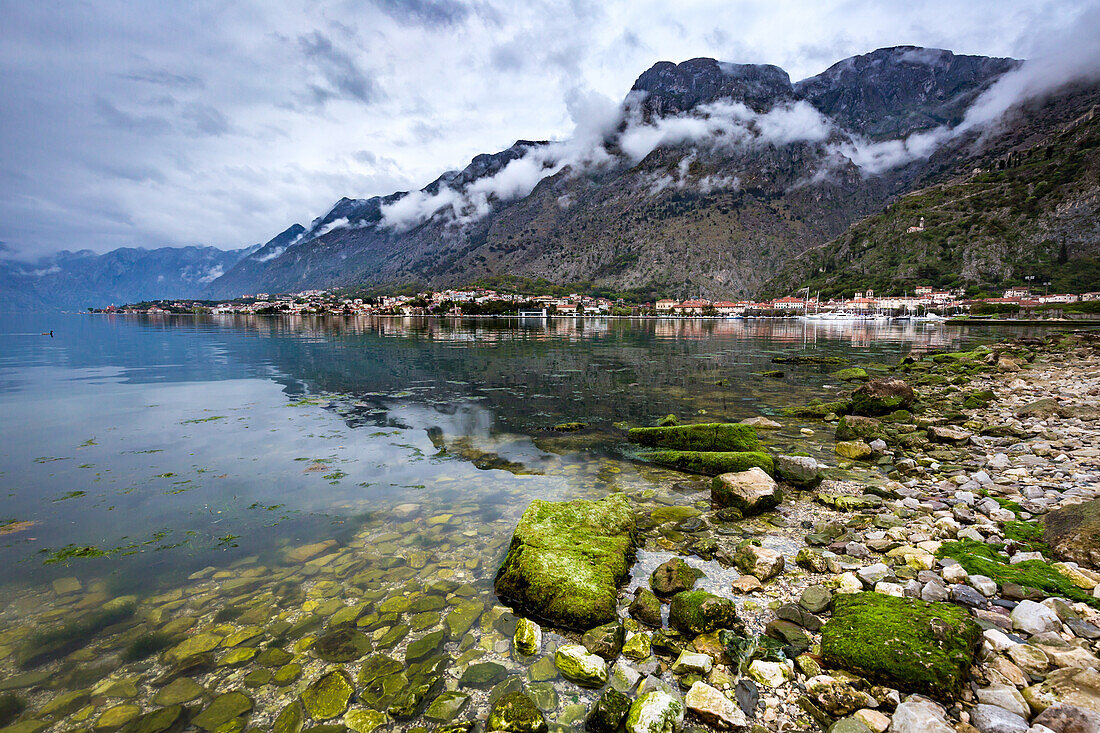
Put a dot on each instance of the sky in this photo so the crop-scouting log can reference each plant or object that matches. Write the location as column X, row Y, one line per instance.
column 151, row 124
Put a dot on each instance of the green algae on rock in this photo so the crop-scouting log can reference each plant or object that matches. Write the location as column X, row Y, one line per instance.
column 671, row 577
column 882, row 396
column 700, row 612
column 222, row 709
column 711, row 463
column 567, row 559
column 704, row 437
column 1073, row 533
column 902, row 642
column 328, row 695
column 516, row 713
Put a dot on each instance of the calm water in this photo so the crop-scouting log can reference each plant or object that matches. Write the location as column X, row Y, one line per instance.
column 170, row 458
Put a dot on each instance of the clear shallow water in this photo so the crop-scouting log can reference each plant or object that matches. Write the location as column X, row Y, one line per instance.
column 186, row 461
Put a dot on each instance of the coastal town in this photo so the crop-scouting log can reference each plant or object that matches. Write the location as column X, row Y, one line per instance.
column 924, row 302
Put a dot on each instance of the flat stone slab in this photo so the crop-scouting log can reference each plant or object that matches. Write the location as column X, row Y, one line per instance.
column 567, row 560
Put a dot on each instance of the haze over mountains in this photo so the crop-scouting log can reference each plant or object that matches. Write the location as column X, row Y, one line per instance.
column 716, row 179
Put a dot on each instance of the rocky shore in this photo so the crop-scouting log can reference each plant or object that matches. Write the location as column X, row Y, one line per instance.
column 934, row 570
column 942, row 577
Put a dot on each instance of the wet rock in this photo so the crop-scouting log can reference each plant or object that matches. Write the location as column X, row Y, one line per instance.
column 446, row 707
column 608, row 713
column 902, row 642
column 528, row 637
column 882, row 396
column 516, row 713
column 327, row 697
column 222, row 709
column 580, row 667
column 364, row 720
column 711, row 463
column 605, row 641
column 797, row 615
column 646, row 607
column 343, row 644
column 855, row 450
column 483, row 675
column 704, row 437
column 567, row 559
column 115, row 717
column 671, row 577
column 654, row 712
column 700, row 612
column 179, row 691
column 747, row 694
column 760, row 562
column 463, row 616
column 158, row 721
column 637, row 646
column 692, row 663
column 849, row 725
column 750, row 492
column 1073, row 533
column 800, row 471
column 714, row 707
column 424, row 646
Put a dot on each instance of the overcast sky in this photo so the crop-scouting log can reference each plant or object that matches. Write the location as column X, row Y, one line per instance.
column 146, row 123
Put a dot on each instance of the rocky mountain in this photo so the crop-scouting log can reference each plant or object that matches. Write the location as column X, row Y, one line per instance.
column 1029, row 207
column 76, row 280
column 715, row 178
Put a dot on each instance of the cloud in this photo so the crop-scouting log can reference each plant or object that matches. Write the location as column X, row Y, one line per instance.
column 425, row 12
column 341, row 72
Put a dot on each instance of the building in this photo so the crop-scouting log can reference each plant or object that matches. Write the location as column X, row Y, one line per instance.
column 1017, row 292
column 665, row 305
column 917, row 228
column 789, row 303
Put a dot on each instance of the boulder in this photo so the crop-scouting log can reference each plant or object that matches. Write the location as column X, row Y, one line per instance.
column 706, row 437
column 646, row 607
column 901, row 642
column 698, row 612
column 711, row 463
column 567, row 559
column 1069, row 719
column 993, row 719
column 1073, row 533
column 1042, row 408
column 751, row 492
column 671, row 577
column 714, row 707
column 801, row 471
column 1078, row 687
column 855, row 450
column 1034, row 618
column 882, row 396
column 577, row 665
column 761, row 562
column 655, row 711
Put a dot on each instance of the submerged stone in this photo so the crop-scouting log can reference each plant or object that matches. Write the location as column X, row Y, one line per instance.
column 605, row 641
column 178, row 691
column 328, row 695
column 483, row 674
column 902, row 642
column 446, row 707
column 567, row 559
column 425, row 645
column 516, row 713
column 365, row 720
column 290, row 718
column 342, row 644
column 157, row 721
column 116, row 717
column 223, row 709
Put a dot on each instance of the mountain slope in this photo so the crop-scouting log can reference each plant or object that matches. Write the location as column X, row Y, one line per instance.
column 78, row 280
column 1030, row 206
column 716, row 176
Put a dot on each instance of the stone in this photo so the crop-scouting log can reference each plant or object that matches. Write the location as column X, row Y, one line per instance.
column 746, row 584
column 947, row 434
column 671, row 577
column 327, row 697
column 527, row 639
column 801, row 471
column 770, row 674
column 115, row 717
column 463, row 616
column 654, row 712
column 761, row 423
column 692, row 663
column 160, row 720
column 815, row 599
column 882, row 396
column 1034, row 618
column 875, row 721
column 714, row 708
column 646, row 607
column 1073, row 533
column 918, row 715
column 222, row 709
column 516, row 713
column 836, row 697
column 993, row 719
column 1004, row 696
column 577, row 665
column 1064, row 718
column 608, row 713
column 483, row 674
column 1030, row 659
column 605, row 641
column 798, row 615
column 699, row 612
column 637, row 646
column 342, row 644
column 365, row 720
column 849, row 725
column 901, row 642
column 750, row 492
column 1080, row 687
column 446, row 706
column 179, row 691
column 567, row 559
column 760, row 562
column 855, row 450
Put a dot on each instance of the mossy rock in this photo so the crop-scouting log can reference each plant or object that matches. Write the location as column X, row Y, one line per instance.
column 908, row 644
column 567, row 559
column 699, row 612
column 851, row 427
column 425, row 646
column 223, row 709
column 819, row 409
column 569, row 427
column 1073, row 533
column 711, row 463
column 327, row 697
column 882, row 396
column 516, row 713
column 852, row 374
column 705, row 437
column 290, row 718
column 672, row 576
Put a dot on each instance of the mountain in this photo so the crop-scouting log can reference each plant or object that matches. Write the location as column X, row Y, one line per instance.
column 77, row 280
column 1029, row 207
column 716, row 176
